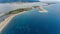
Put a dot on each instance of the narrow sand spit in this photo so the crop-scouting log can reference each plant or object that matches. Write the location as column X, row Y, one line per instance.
column 7, row 20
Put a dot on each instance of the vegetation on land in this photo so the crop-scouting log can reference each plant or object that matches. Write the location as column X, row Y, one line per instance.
column 18, row 11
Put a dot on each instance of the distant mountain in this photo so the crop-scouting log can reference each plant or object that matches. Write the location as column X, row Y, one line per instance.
column 3, row 1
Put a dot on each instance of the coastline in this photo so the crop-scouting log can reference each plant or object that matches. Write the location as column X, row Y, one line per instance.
column 7, row 20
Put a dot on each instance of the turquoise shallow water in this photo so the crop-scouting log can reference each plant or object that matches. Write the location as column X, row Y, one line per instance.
column 34, row 22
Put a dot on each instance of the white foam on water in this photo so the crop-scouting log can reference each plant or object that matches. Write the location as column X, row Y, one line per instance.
column 43, row 11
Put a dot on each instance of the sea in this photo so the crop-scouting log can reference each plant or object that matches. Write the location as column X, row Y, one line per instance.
column 5, row 1
column 35, row 22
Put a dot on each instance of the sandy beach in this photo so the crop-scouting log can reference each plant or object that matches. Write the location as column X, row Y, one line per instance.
column 7, row 20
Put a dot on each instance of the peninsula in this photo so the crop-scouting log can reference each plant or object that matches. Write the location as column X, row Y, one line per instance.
column 11, row 15
column 16, row 12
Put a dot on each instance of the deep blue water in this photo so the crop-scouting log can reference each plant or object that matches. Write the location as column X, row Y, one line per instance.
column 3, row 1
column 34, row 22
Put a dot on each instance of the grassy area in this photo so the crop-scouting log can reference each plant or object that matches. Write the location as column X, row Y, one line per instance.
column 19, row 10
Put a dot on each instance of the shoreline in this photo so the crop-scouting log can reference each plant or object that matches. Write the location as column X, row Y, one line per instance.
column 7, row 20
